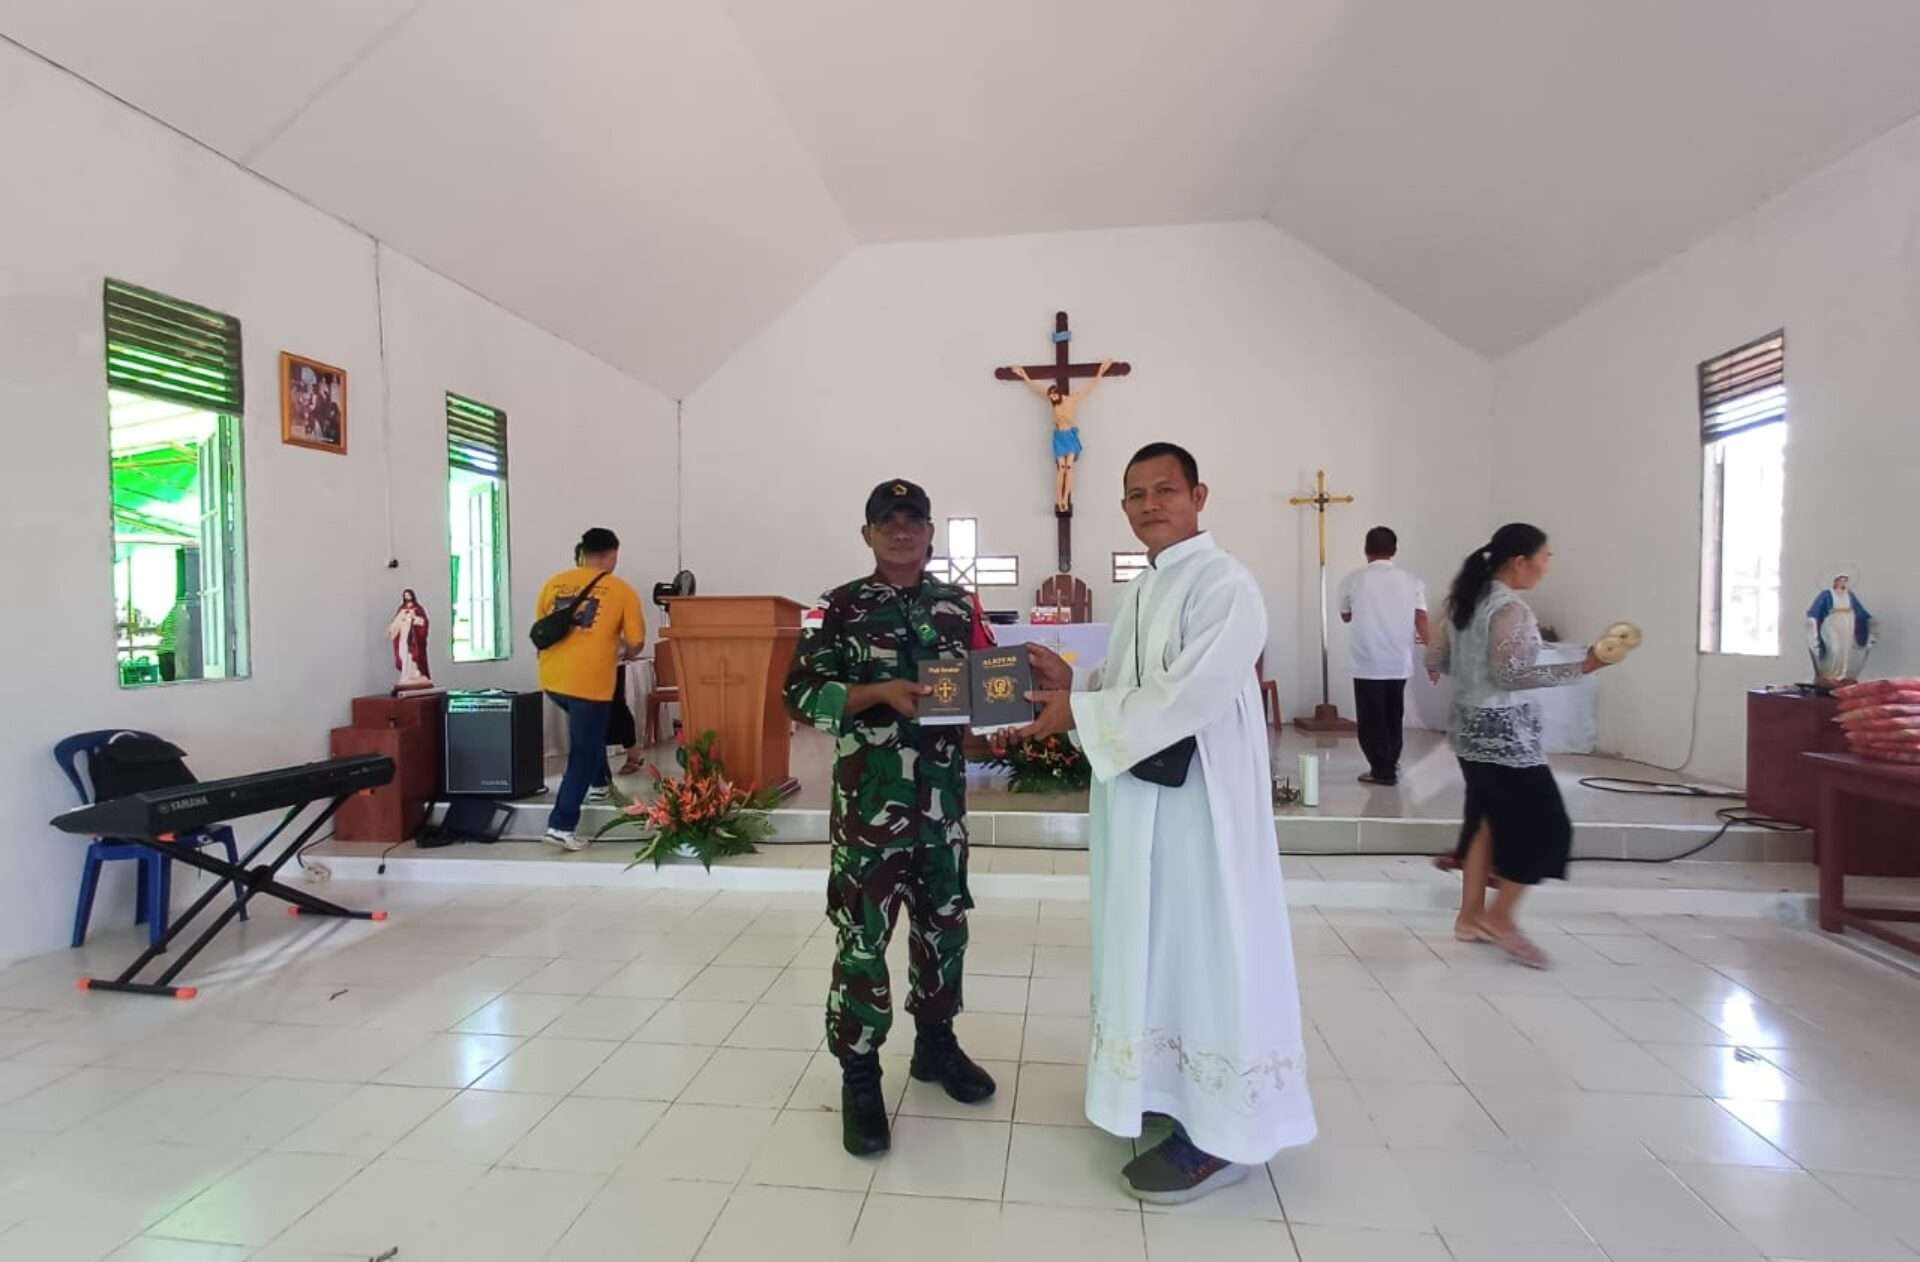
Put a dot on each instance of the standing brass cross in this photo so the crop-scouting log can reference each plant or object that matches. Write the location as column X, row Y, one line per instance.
column 1321, row 501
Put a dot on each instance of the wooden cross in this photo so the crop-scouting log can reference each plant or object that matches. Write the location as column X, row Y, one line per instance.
column 1326, row 716
column 724, row 678
column 1060, row 370
column 1063, row 371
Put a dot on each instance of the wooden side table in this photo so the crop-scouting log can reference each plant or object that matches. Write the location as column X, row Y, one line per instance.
column 1847, row 787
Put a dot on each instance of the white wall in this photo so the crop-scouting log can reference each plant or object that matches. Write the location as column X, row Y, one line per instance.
column 1597, row 441
column 93, row 189
column 1258, row 355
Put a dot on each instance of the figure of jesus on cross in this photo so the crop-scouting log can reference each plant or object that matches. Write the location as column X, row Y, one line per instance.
column 1065, row 403
column 1066, row 430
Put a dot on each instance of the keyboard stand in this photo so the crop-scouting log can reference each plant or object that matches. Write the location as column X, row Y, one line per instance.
column 249, row 880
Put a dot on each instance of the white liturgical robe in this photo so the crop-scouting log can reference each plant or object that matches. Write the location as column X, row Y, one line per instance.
column 1196, row 1011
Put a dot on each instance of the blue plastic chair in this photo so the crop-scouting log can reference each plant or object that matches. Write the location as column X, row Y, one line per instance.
column 154, row 892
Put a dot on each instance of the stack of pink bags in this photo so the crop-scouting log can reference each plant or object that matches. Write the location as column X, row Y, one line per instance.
column 1882, row 719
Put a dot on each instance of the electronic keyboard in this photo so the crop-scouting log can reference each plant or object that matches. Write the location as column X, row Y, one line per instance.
column 188, row 808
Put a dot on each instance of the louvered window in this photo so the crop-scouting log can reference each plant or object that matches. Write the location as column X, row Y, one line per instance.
column 175, row 402
column 1744, row 388
column 1743, row 435
column 477, row 530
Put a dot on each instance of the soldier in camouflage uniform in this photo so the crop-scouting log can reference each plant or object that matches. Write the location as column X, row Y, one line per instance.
column 898, row 823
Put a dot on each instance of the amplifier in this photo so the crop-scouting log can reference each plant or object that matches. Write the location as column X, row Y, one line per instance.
column 494, row 745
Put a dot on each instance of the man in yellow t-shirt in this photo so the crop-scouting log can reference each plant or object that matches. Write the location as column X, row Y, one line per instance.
column 582, row 670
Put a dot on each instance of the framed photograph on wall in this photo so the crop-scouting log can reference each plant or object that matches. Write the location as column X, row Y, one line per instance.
column 313, row 404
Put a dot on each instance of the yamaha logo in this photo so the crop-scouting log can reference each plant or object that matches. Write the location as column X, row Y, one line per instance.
column 182, row 804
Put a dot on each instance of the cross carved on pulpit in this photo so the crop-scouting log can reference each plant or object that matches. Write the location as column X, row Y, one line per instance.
column 723, row 678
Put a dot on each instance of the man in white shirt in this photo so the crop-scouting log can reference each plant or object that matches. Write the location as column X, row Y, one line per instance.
column 1387, row 609
column 1196, row 1012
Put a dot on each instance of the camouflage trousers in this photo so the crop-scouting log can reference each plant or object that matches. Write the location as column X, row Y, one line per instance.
column 866, row 889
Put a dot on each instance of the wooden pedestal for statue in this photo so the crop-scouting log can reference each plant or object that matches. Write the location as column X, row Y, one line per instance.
column 733, row 653
column 1781, row 727
column 407, row 729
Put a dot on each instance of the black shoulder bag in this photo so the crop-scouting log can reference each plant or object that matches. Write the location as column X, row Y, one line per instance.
column 557, row 624
column 129, row 764
column 1168, row 768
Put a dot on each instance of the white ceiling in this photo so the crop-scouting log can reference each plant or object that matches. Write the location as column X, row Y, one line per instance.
column 654, row 180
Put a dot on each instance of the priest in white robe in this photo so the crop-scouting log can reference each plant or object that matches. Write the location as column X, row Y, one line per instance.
column 1196, row 1010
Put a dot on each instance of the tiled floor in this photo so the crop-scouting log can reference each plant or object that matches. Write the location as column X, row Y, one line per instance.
column 578, row 1074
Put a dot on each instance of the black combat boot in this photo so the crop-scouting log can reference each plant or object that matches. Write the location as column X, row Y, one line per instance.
column 863, row 1106
column 937, row 1058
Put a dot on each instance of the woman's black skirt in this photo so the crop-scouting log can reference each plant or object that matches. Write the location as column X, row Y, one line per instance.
column 1532, row 835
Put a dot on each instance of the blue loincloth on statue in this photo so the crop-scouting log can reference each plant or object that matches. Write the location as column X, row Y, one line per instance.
column 1066, row 442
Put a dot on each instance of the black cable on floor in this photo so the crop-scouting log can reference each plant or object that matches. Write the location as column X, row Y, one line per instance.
column 419, row 825
column 1729, row 816
column 300, row 857
column 1656, row 788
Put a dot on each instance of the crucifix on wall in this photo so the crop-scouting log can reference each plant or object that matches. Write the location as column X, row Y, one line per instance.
column 1052, row 383
column 1326, row 715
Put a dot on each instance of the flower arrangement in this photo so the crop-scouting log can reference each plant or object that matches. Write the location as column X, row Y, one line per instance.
column 1045, row 764
column 699, row 813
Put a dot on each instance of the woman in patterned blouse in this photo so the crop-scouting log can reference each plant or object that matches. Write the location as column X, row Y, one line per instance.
column 1516, row 829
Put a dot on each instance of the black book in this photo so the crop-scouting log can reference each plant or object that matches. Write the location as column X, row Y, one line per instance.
column 948, row 704
column 1002, row 678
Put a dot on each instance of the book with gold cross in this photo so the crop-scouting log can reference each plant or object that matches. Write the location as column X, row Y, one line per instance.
column 986, row 690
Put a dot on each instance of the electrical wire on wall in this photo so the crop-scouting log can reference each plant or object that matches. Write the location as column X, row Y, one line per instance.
column 386, row 398
column 679, row 485
column 1693, row 720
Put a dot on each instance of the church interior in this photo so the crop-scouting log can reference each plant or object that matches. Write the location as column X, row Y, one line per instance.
column 328, row 333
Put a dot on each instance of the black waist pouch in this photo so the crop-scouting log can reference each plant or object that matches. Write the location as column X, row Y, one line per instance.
column 1168, row 768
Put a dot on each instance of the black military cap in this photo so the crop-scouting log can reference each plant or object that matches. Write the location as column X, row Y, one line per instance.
column 897, row 494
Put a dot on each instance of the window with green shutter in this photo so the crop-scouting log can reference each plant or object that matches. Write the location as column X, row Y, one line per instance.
column 477, row 530
column 175, row 401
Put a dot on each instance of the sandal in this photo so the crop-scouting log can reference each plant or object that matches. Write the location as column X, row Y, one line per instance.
column 1446, row 862
column 633, row 766
column 1465, row 932
column 1520, row 949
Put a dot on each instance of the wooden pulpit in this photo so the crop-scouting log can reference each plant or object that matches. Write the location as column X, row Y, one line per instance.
column 733, row 653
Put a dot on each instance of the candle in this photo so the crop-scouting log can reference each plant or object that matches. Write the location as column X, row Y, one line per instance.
column 1309, row 779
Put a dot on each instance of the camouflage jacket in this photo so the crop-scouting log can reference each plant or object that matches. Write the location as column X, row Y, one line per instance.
column 894, row 782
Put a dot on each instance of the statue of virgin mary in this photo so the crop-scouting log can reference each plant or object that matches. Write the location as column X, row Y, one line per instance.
column 1840, row 632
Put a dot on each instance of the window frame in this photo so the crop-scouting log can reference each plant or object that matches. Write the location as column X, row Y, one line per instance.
column 165, row 350
column 1741, row 392
column 476, row 454
column 967, row 572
